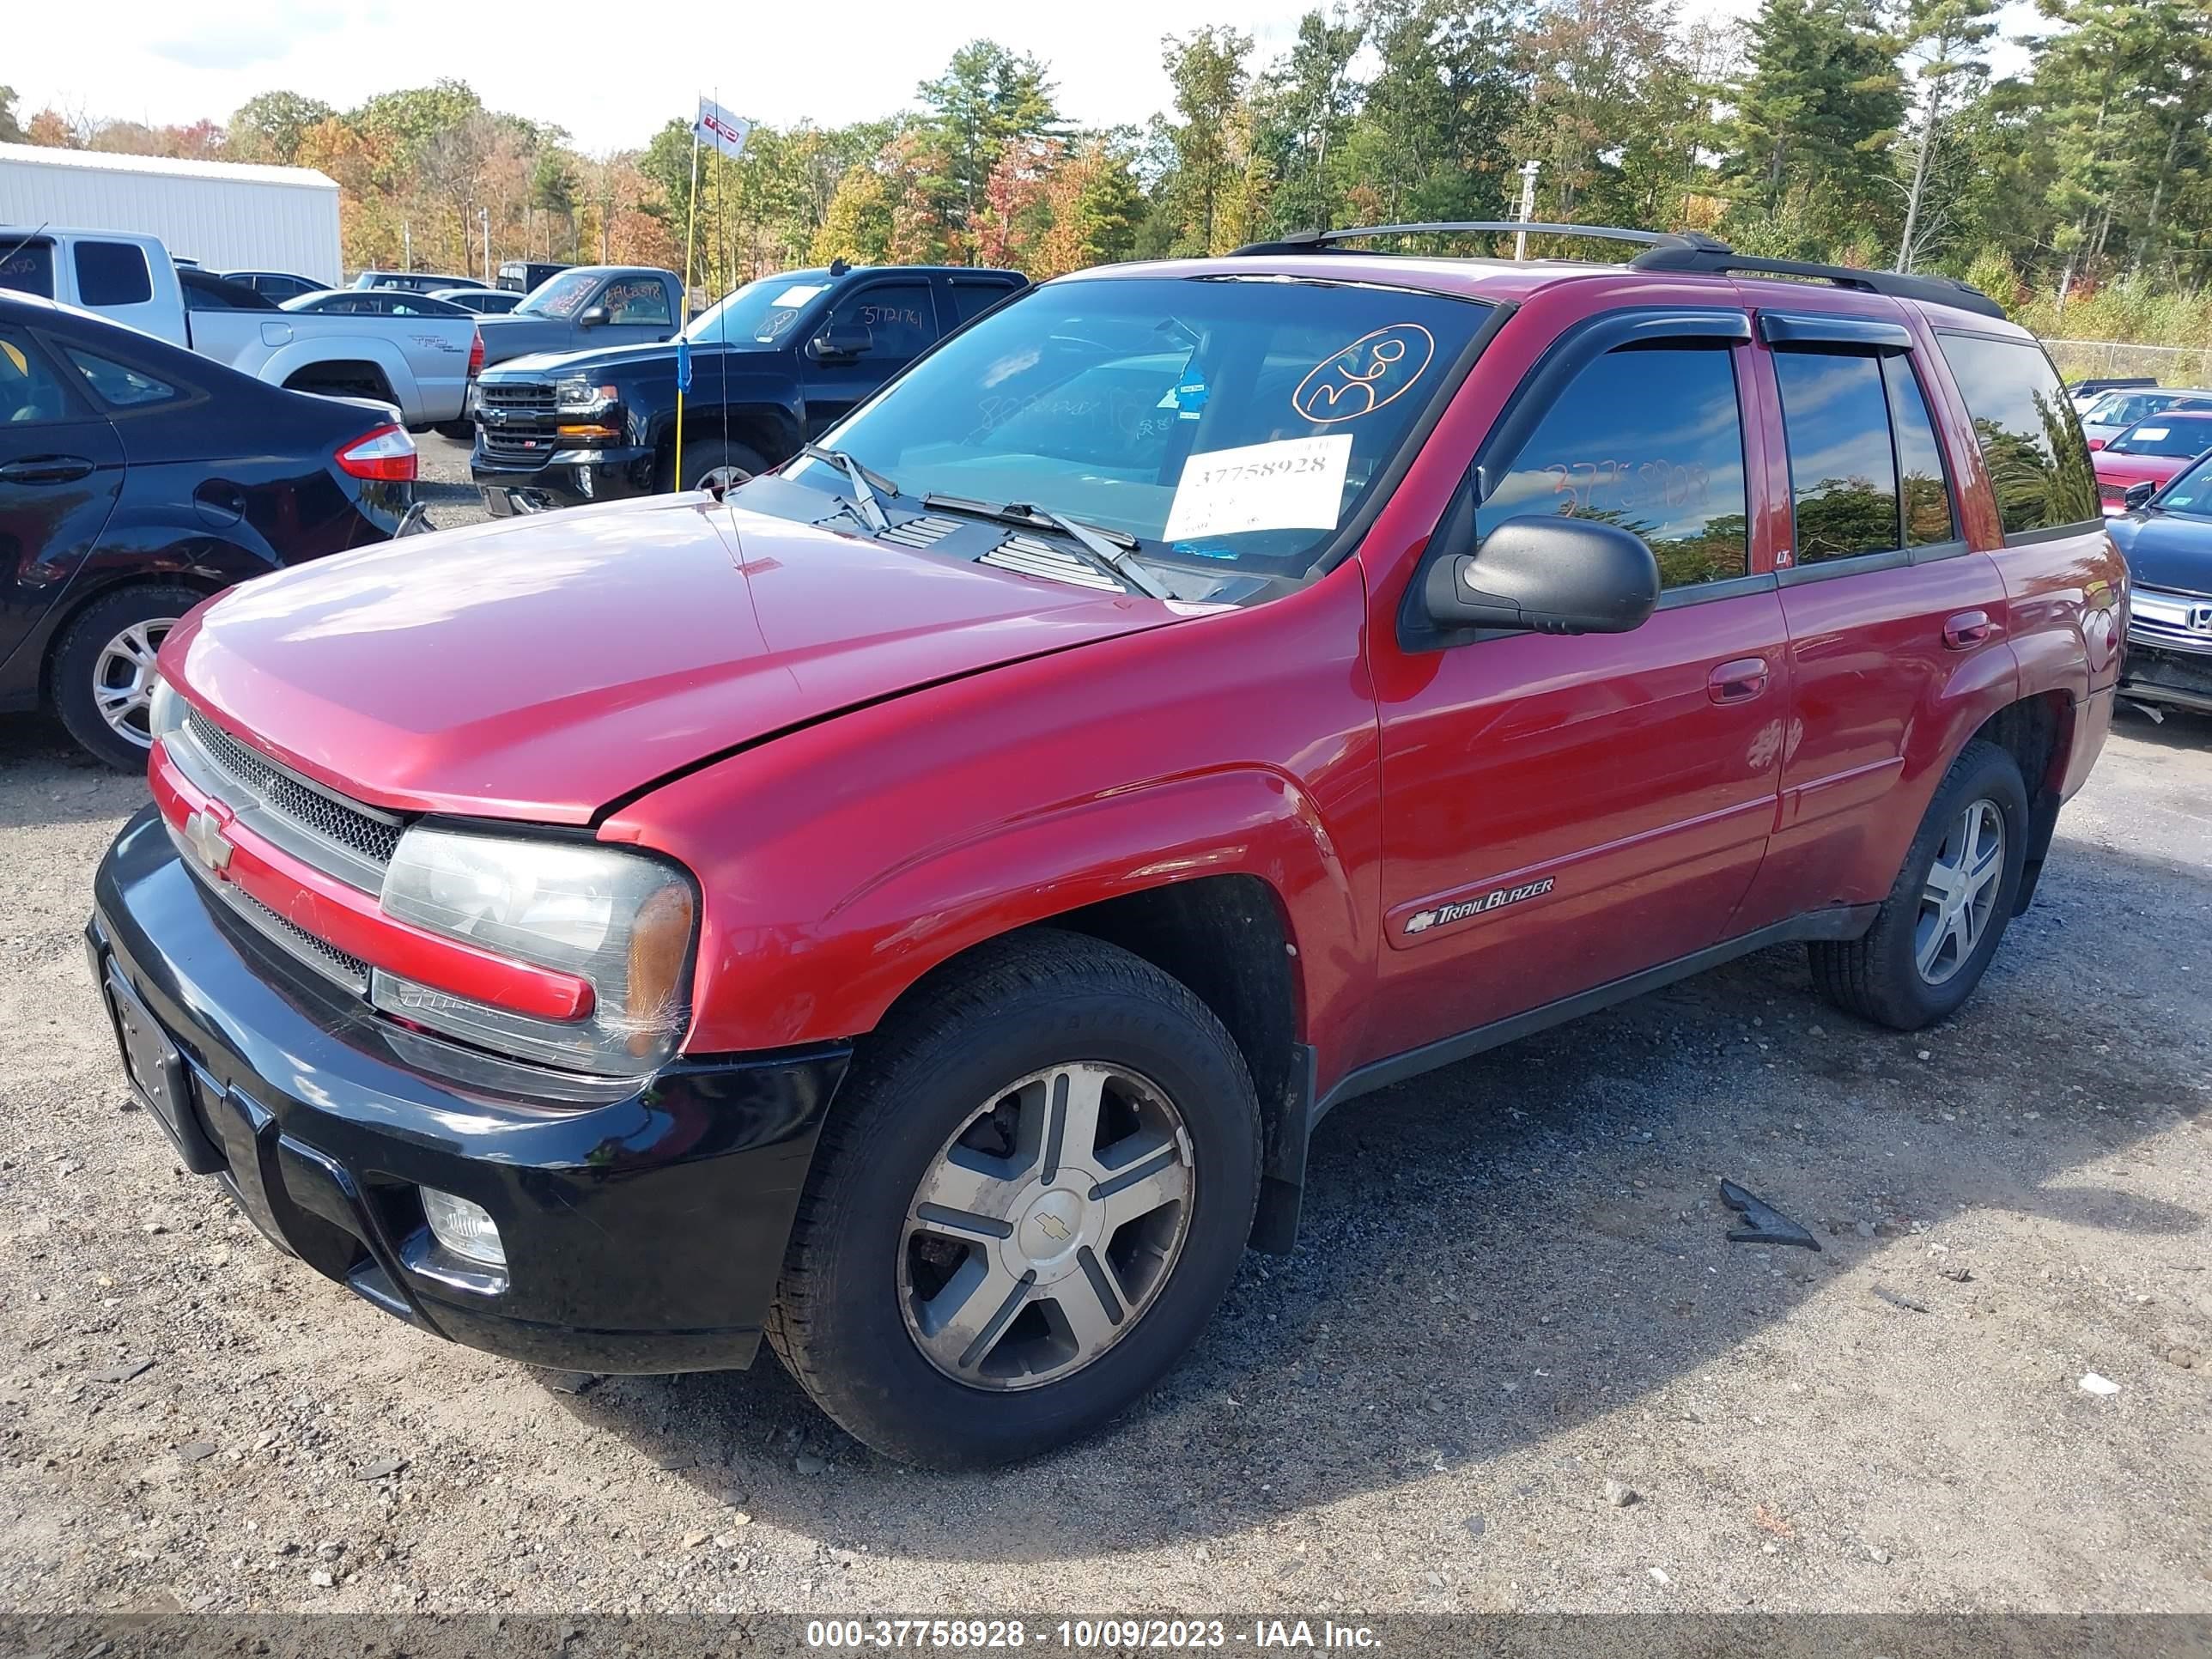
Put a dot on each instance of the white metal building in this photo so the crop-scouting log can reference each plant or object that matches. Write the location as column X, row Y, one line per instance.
column 226, row 214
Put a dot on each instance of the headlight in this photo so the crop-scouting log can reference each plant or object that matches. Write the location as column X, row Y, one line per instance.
column 164, row 711
column 580, row 397
column 621, row 920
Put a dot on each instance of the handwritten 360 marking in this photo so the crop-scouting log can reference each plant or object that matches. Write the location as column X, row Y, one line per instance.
column 1370, row 372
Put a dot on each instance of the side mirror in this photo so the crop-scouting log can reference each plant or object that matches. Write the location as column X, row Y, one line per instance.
column 592, row 316
column 2096, row 443
column 1547, row 576
column 2138, row 496
column 837, row 344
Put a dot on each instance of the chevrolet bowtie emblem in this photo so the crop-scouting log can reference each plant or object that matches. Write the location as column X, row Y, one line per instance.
column 1054, row 1228
column 208, row 844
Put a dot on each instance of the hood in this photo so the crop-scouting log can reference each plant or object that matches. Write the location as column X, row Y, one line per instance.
column 539, row 667
column 595, row 360
column 2125, row 469
column 2166, row 549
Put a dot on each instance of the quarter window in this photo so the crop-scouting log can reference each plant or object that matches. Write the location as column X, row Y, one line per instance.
column 1650, row 438
column 29, row 270
column 2025, row 422
column 112, row 274
column 972, row 300
column 120, row 386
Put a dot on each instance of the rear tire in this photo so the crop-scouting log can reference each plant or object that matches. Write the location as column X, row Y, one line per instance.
column 102, row 671
column 708, row 460
column 1935, row 932
column 942, row 1332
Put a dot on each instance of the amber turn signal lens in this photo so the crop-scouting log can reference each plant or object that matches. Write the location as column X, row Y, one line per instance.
column 659, row 950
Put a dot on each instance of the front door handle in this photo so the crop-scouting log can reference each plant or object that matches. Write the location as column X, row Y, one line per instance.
column 1967, row 629
column 46, row 468
column 1739, row 681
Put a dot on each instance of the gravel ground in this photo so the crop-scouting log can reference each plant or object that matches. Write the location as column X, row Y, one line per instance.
column 442, row 483
column 1513, row 1307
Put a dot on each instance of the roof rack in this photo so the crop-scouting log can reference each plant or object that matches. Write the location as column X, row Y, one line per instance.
column 1718, row 259
column 1684, row 250
column 1326, row 241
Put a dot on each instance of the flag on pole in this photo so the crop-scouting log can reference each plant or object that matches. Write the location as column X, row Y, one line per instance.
column 725, row 131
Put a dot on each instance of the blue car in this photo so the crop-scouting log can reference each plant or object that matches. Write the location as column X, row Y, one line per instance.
column 2168, row 545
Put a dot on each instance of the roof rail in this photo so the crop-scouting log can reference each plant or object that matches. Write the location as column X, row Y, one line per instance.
column 1325, row 241
column 1682, row 249
column 1718, row 259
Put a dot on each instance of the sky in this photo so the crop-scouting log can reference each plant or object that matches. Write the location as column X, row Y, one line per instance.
column 612, row 74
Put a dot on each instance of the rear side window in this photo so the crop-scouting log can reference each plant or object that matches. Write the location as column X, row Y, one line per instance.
column 1842, row 475
column 120, row 386
column 1927, row 519
column 1650, row 439
column 972, row 300
column 2031, row 441
column 1865, row 475
column 112, row 274
column 29, row 392
column 29, row 270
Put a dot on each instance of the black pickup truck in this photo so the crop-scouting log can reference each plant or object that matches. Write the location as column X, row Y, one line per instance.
column 773, row 366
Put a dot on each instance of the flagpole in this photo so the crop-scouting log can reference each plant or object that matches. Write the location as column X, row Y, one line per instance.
column 690, row 229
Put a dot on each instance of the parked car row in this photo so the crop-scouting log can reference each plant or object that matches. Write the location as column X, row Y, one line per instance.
column 911, row 906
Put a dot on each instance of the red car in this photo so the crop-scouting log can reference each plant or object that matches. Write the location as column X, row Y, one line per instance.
column 917, row 907
column 2148, row 456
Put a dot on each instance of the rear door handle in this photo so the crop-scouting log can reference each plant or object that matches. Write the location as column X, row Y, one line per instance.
column 46, row 468
column 1967, row 629
column 1739, row 681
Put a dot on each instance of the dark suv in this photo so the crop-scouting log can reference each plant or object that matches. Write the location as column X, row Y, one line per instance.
column 772, row 365
column 914, row 908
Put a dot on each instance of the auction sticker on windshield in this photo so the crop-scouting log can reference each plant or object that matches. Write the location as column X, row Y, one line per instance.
column 1293, row 484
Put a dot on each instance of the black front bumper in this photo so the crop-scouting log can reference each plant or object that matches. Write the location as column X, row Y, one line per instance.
column 642, row 1234
column 563, row 477
column 2153, row 672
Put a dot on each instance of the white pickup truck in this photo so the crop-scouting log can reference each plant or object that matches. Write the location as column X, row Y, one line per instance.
column 422, row 366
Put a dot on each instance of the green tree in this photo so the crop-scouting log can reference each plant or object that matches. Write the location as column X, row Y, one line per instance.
column 1303, row 108
column 1430, row 142
column 11, row 129
column 1604, row 86
column 268, row 127
column 1207, row 70
column 1814, row 121
column 1943, row 42
column 987, row 99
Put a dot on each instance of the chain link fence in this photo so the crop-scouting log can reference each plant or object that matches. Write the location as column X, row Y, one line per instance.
column 2080, row 360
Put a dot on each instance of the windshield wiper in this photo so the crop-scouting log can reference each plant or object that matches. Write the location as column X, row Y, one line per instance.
column 864, row 485
column 1108, row 549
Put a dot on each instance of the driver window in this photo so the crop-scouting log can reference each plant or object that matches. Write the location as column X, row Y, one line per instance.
column 897, row 317
column 636, row 300
column 1650, row 438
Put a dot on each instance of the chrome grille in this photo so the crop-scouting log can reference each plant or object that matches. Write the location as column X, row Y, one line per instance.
column 1032, row 557
column 2160, row 618
column 925, row 531
column 360, row 835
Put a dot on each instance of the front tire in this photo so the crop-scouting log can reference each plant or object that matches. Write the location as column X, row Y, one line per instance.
column 1933, row 936
column 1030, row 1199
column 102, row 677
column 711, row 464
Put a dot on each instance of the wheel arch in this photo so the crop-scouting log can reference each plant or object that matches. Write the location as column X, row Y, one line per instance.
column 2037, row 732
column 57, row 624
column 1227, row 939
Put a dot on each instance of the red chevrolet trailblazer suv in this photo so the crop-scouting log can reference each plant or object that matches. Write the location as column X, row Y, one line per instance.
column 918, row 906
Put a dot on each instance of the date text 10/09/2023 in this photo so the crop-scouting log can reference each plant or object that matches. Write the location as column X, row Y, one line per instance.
column 1088, row 1635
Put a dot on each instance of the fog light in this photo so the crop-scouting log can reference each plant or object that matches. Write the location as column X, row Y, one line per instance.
column 464, row 1230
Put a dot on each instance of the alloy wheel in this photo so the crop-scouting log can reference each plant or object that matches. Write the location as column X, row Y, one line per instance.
column 1961, row 892
column 123, row 679
column 1046, row 1226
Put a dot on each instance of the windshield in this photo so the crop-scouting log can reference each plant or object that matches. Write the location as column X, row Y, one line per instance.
column 759, row 313
column 2165, row 435
column 2190, row 493
column 1238, row 420
column 562, row 296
